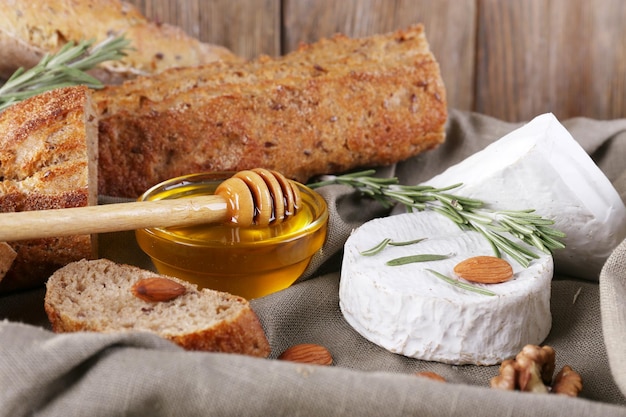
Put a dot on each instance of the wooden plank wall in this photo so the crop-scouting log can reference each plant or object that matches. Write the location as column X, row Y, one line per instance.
column 510, row 59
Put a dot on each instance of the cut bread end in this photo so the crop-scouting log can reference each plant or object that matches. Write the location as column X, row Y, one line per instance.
column 48, row 160
column 98, row 296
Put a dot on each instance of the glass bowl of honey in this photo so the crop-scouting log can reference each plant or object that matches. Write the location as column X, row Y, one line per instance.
column 250, row 261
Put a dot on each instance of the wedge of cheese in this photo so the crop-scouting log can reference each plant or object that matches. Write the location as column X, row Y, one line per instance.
column 408, row 310
column 541, row 166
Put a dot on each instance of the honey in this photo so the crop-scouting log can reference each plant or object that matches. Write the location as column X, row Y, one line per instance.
column 248, row 261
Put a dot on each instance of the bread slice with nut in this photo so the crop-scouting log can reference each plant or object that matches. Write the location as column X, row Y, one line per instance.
column 104, row 296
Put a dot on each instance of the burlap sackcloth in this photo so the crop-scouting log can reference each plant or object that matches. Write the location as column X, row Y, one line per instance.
column 86, row 374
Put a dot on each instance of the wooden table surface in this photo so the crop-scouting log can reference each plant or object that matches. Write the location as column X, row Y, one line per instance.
column 511, row 59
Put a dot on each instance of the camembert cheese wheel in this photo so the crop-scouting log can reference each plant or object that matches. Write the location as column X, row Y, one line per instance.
column 410, row 311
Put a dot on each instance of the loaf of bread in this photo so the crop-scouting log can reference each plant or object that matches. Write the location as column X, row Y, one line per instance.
column 29, row 29
column 331, row 106
column 327, row 107
column 48, row 160
column 103, row 296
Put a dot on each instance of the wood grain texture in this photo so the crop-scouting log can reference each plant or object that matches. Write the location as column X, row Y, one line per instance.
column 246, row 27
column 560, row 56
column 509, row 59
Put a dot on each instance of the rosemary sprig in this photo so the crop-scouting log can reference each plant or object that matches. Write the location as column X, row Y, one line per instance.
column 66, row 67
column 469, row 214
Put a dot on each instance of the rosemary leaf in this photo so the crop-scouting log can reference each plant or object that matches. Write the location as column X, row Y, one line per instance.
column 478, row 218
column 451, row 214
column 520, row 213
column 65, row 68
column 462, row 285
column 519, row 258
column 528, row 215
column 496, row 249
column 376, row 249
column 470, row 203
column 426, row 257
column 542, row 222
column 379, row 247
column 441, row 190
column 519, row 220
column 400, row 197
column 551, row 243
column 536, row 242
column 516, row 226
column 406, row 243
column 450, row 200
column 549, row 231
column 503, row 242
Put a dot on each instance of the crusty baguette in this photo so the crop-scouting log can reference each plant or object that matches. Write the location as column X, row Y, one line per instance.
column 48, row 159
column 337, row 55
column 328, row 107
column 98, row 296
column 29, row 29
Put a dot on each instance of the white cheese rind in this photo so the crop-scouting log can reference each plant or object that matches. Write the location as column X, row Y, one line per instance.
column 409, row 311
column 540, row 166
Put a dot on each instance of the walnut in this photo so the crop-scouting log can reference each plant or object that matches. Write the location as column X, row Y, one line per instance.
column 532, row 371
column 507, row 379
column 535, row 366
column 567, row 382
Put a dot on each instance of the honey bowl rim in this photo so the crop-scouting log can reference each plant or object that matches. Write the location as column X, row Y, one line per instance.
column 320, row 221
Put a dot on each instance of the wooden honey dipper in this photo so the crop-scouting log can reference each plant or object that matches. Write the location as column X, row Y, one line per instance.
column 257, row 196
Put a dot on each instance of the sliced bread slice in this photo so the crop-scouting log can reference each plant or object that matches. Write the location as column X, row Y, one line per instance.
column 104, row 296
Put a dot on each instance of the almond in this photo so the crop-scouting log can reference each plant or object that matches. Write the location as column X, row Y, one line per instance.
column 484, row 270
column 307, row 353
column 430, row 375
column 158, row 289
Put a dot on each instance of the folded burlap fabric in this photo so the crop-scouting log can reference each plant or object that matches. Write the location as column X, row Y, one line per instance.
column 110, row 375
column 613, row 309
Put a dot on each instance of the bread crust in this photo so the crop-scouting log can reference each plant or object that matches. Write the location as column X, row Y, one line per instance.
column 326, row 108
column 242, row 334
column 48, row 159
column 239, row 331
column 29, row 29
column 7, row 256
